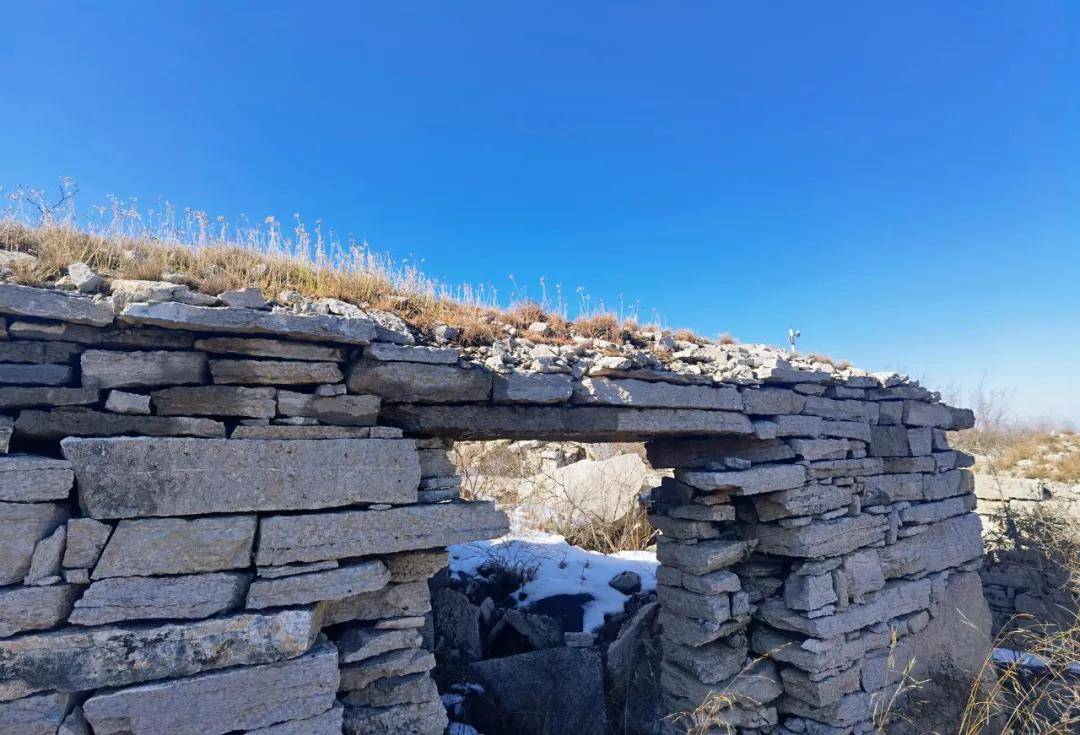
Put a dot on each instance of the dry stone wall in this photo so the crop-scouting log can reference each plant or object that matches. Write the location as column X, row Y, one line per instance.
column 222, row 520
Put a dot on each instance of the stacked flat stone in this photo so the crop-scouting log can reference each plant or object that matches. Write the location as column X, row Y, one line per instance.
column 221, row 519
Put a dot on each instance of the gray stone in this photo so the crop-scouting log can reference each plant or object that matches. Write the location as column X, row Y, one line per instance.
column 316, row 536
column 711, row 663
column 221, row 702
column 428, row 718
column 628, row 582
column 328, row 723
column 395, row 690
column 809, row 592
column 80, row 659
column 216, row 400
column 34, row 374
column 695, row 631
column 818, row 449
column 83, row 422
column 532, row 388
column 7, row 428
column 862, row 411
column 119, row 337
column 820, row 692
column 944, row 545
column 764, row 479
column 359, row 644
column 413, row 566
column 772, row 402
column 888, row 489
column 134, row 404
column 807, row 500
column 43, row 303
column 22, row 525
column 642, row 394
column 395, row 601
column 937, row 415
column 563, row 423
column 107, row 369
column 128, row 290
column 75, row 724
column 699, row 453
column 896, row 599
column 39, row 715
column 703, row 557
column 889, row 441
column 457, row 624
column 401, row 662
column 121, row 478
column 25, row 478
column 85, row 540
column 291, row 569
column 243, row 298
column 409, row 353
column 863, row 572
column 38, row 352
column 541, row 631
column 45, row 562
column 34, row 608
column 319, row 328
column 187, row 596
column 151, row 546
column 533, row 691
column 274, row 372
column 293, row 433
column 419, row 382
column 14, row 397
column 334, row 584
column 349, row 410
column 259, row 347
column 820, row 538
column 85, row 280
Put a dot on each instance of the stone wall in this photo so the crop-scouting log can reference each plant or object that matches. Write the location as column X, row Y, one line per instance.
column 221, row 520
column 1024, row 583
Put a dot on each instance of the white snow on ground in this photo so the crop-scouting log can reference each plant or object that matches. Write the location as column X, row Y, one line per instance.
column 560, row 569
column 1027, row 660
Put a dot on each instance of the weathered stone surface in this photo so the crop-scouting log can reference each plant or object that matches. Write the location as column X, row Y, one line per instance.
column 820, row 538
column 257, row 347
column 133, row 404
column 38, row 715
column 692, row 605
column 34, row 374
column 703, row 557
column 274, row 372
column 428, row 718
column 413, row 566
column 14, row 397
column 809, row 592
column 117, row 336
column 328, row 723
column 896, row 599
column 128, row 290
column 937, row 415
column 946, row 544
column 221, row 702
column 348, row 410
column 43, row 303
column 290, row 569
column 419, row 382
column 293, row 433
column 457, row 624
column 216, row 400
column 38, row 352
column 150, row 546
column 319, row 328
column 75, row 724
column 711, row 663
column 333, row 584
column 699, row 453
column 643, row 394
column 395, row 690
column 409, row 353
column 820, row 692
column 186, row 596
column 532, row 388
column 395, row 601
column 22, row 525
column 400, row 662
column 108, row 369
column 123, row 478
column 75, row 659
column 772, row 401
column 7, row 428
column 243, row 298
column 764, row 479
column 888, row 489
column 45, row 562
column 34, row 608
column 85, row 540
column 863, row 572
column 358, row 644
column 84, row 422
column 591, row 423
column 316, row 536
column 819, row 449
column 937, row 511
column 26, row 479
column 802, row 501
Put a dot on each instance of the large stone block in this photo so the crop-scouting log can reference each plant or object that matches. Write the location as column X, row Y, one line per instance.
column 34, row 608
column 257, row 347
column 319, row 327
column 42, row 303
column 820, row 538
column 406, row 600
column 754, row 481
column 807, row 500
column 38, row 715
column 151, row 546
column 187, row 596
column 645, row 394
column 85, row 540
column 46, row 397
column 428, row 718
column 589, row 423
column 345, row 410
column 274, row 372
column 317, row 536
column 532, row 388
column 34, row 374
column 699, row 453
column 415, row 382
column 107, row 369
column 38, row 352
column 26, row 479
column 221, row 702
column 75, row 659
column 332, row 584
column 124, row 478
column 22, row 525
column 702, row 557
column 216, row 400
column 113, row 336
column 896, row 599
column 943, row 545
column 328, row 723
column 84, row 422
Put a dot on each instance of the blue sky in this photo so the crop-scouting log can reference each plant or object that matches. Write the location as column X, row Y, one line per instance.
column 898, row 181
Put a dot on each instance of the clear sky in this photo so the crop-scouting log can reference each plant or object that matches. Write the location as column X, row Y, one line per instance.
column 899, row 181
